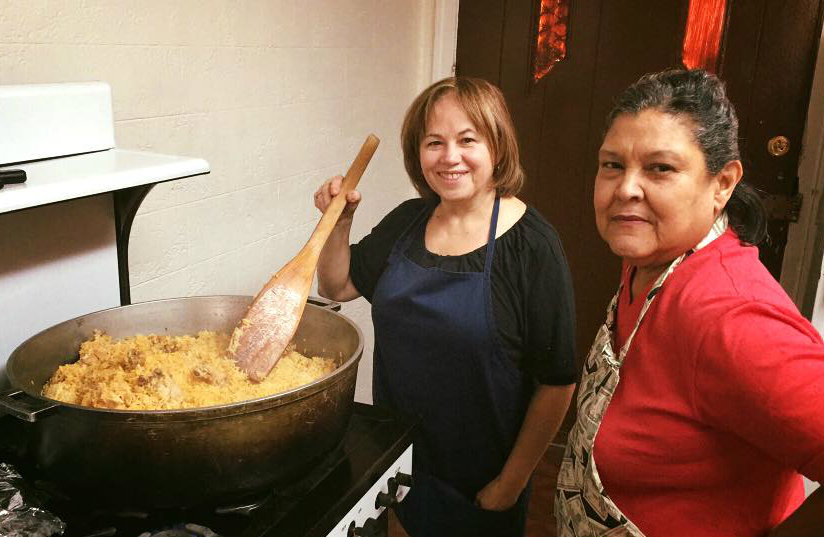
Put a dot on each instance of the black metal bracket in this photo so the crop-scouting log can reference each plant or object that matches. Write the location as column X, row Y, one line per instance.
column 126, row 204
column 12, row 177
column 323, row 302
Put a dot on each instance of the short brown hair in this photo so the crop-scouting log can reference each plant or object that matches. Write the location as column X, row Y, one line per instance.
column 485, row 105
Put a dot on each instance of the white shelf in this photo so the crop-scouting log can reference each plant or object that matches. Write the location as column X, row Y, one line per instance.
column 65, row 178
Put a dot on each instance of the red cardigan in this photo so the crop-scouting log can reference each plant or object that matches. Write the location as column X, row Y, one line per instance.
column 720, row 406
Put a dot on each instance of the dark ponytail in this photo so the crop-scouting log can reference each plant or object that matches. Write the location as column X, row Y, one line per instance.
column 700, row 97
column 747, row 214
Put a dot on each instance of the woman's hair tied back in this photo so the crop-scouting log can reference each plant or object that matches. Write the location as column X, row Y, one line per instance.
column 700, row 98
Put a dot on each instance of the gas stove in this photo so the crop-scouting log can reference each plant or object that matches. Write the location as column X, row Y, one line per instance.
column 71, row 220
column 347, row 494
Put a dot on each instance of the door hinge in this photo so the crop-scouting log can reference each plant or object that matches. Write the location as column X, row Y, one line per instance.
column 783, row 207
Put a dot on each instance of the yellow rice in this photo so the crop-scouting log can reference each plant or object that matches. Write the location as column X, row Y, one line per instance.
column 171, row 372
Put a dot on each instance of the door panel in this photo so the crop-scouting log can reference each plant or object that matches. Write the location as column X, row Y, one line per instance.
column 768, row 64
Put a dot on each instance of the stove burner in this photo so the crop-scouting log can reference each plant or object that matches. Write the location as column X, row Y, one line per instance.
column 243, row 508
column 188, row 530
column 310, row 506
column 105, row 532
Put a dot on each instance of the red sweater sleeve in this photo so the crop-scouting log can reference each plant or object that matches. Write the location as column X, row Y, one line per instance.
column 759, row 373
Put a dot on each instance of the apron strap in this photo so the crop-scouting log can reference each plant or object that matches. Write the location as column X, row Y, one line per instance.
column 718, row 228
column 490, row 243
column 406, row 236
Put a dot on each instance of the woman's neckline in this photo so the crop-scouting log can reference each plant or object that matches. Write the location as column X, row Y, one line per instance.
column 641, row 289
column 481, row 247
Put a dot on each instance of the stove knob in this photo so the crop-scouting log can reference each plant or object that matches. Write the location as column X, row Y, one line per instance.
column 370, row 528
column 400, row 479
column 392, row 486
column 385, row 499
column 404, row 479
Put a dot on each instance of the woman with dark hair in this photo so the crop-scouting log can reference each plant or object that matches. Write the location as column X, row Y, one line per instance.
column 702, row 399
column 473, row 313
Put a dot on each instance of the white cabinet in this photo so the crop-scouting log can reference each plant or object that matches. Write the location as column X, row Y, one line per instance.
column 64, row 233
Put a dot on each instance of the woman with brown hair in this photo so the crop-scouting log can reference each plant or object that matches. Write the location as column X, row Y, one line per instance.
column 701, row 401
column 473, row 313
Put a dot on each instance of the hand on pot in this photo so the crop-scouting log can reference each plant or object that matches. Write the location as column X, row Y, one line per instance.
column 328, row 190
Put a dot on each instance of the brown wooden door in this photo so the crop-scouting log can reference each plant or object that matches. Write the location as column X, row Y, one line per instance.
column 767, row 56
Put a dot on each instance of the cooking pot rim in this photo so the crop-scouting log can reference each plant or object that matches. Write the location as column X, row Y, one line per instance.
column 246, row 405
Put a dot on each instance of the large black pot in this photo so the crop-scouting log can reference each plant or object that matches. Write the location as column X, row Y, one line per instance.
column 169, row 458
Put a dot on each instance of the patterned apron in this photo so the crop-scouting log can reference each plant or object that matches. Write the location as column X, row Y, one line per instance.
column 582, row 507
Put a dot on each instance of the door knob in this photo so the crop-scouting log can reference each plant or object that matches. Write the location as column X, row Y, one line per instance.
column 778, row 146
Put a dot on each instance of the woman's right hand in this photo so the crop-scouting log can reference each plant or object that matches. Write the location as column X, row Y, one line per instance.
column 334, row 281
column 331, row 188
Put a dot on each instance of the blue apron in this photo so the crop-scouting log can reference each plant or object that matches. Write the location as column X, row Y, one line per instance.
column 438, row 356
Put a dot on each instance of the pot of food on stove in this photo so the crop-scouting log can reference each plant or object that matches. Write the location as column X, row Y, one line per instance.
column 141, row 405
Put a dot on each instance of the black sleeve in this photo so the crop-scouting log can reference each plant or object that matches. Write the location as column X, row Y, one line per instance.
column 549, row 353
column 369, row 255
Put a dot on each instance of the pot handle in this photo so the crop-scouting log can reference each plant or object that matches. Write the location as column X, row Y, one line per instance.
column 25, row 407
column 324, row 303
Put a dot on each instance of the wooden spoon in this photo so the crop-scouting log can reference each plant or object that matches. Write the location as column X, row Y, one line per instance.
column 261, row 336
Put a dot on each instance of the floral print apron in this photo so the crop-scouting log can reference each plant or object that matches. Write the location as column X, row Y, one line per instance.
column 582, row 507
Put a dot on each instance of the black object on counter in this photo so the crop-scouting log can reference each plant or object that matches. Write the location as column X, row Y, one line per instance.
column 12, row 177
column 19, row 511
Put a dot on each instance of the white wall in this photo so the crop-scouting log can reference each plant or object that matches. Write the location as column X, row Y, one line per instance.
column 275, row 94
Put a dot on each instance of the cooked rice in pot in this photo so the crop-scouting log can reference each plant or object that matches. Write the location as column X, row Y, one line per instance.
column 171, row 372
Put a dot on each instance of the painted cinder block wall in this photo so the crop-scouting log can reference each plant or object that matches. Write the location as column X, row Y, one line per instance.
column 276, row 94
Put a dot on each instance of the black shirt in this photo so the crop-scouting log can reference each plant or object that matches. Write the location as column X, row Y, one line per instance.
column 532, row 294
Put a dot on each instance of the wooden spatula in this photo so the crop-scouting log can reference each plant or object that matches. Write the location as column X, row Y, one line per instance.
column 261, row 336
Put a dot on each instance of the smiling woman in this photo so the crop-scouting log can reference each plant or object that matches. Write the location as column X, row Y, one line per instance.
column 473, row 313
column 700, row 403
column 455, row 160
